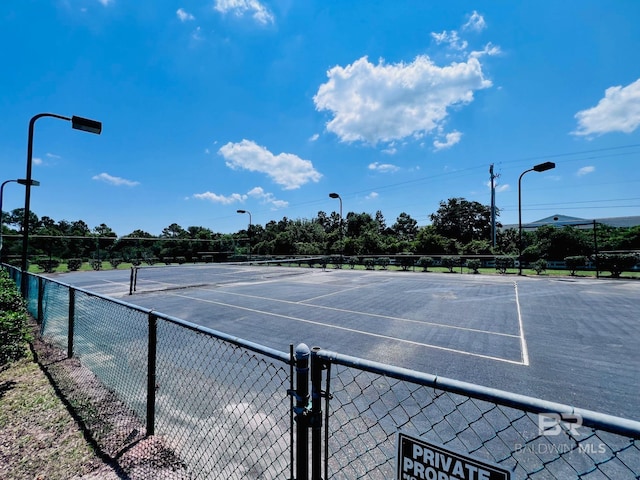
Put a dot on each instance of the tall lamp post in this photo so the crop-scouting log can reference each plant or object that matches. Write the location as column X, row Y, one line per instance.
column 335, row 195
column 248, row 230
column 78, row 123
column 542, row 167
column 21, row 181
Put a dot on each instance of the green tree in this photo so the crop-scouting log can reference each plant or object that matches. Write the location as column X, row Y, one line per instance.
column 462, row 220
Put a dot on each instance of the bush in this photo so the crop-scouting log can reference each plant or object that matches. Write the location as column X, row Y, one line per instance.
column 74, row 264
column 115, row 262
column 575, row 263
column 49, row 266
column 14, row 330
column 474, row 264
column 406, row 261
column 182, row 260
column 616, row 263
column 539, row 265
column 352, row 261
column 450, row 263
column 383, row 262
column 504, row 263
column 425, row 263
column 369, row 263
column 96, row 264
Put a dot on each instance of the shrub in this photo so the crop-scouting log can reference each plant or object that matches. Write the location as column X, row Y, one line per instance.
column 539, row 265
column 96, row 264
column 504, row 263
column 151, row 260
column 48, row 266
column 369, row 263
column 474, row 264
column 115, row 262
column 74, row 264
column 575, row 263
column 14, row 330
column 406, row 261
column 352, row 261
column 425, row 263
column 383, row 262
column 182, row 260
column 336, row 261
column 450, row 263
column 616, row 263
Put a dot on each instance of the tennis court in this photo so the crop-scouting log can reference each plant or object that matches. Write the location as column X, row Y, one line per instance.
column 570, row 340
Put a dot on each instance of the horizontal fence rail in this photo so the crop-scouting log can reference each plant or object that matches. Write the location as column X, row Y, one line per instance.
column 169, row 399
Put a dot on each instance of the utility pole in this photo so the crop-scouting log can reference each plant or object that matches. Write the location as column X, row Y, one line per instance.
column 493, row 206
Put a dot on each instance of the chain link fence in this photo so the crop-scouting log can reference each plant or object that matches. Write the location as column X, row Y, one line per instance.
column 163, row 398
column 369, row 404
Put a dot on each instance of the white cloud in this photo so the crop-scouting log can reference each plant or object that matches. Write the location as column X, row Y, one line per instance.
column 476, row 22
column 105, row 2
column 37, row 161
column 450, row 140
column 117, row 181
column 383, row 167
column 489, row 49
column 451, row 38
column 372, row 196
column 314, row 137
column 260, row 13
column 386, row 102
column 618, row 111
column 215, row 198
column 183, row 15
column 585, row 171
column 285, row 169
column 264, row 197
column 503, row 188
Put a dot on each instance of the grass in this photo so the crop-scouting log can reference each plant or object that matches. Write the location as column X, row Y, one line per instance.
column 39, row 439
column 86, row 266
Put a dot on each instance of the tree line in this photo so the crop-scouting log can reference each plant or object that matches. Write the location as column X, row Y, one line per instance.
column 458, row 227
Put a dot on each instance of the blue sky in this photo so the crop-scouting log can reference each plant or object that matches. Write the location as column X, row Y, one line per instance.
column 209, row 106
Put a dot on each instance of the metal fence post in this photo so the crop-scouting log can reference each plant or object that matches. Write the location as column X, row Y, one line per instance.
column 72, row 321
column 302, row 415
column 151, row 374
column 317, row 366
column 40, row 314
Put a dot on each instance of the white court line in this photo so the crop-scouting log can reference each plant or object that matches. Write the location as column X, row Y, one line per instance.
column 523, row 342
column 362, row 332
column 375, row 315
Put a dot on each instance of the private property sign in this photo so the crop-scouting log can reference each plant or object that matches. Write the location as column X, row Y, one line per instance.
column 419, row 460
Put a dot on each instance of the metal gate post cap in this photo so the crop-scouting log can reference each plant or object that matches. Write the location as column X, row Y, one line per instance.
column 302, row 351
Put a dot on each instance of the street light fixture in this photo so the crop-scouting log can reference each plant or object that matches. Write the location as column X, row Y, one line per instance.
column 335, row 195
column 78, row 123
column 21, row 181
column 248, row 230
column 542, row 167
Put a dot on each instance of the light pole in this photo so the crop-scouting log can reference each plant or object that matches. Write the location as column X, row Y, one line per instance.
column 21, row 181
column 335, row 195
column 78, row 123
column 248, row 230
column 542, row 167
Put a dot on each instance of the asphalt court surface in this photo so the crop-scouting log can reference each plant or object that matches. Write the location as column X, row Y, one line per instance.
column 570, row 340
